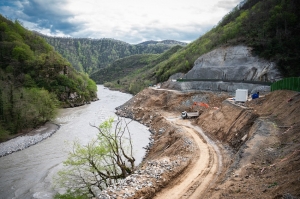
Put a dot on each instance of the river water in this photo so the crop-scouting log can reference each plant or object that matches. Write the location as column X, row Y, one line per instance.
column 29, row 173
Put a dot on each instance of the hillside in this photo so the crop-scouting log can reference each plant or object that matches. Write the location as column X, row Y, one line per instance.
column 122, row 67
column 35, row 80
column 133, row 73
column 89, row 55
column 270, row 27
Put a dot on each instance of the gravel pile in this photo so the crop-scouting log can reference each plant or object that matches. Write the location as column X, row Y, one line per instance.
column 147, row 177
column 22, row 142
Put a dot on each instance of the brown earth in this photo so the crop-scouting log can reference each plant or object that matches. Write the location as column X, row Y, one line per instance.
column 249, row 150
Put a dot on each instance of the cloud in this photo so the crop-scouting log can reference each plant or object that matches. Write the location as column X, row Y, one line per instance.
column 139, row 34
column 44, row 14
column 227, row 4
column 132, row 21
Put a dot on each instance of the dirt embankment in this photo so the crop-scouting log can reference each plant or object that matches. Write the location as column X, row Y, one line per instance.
column 259, row 143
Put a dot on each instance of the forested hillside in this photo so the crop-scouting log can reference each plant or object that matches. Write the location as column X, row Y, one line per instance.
column 122, row 67
column 34, row 80
column 271, row 27
column 133, row 73
column 89, row 55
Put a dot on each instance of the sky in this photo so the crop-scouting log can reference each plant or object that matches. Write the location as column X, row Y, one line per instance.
column 131, row 21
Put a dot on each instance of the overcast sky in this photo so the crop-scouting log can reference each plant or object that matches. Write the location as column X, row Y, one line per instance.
column 132, row 21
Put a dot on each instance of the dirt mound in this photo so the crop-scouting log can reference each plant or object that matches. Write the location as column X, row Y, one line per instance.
column 273, row 151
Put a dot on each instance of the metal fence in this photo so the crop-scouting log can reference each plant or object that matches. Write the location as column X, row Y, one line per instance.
column 225, row 80
column 291, row 83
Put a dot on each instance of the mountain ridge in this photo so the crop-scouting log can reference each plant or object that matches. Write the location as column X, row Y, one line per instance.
column 89, row 55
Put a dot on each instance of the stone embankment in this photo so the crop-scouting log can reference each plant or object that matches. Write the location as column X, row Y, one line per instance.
column 146, row 181
column 23, row 142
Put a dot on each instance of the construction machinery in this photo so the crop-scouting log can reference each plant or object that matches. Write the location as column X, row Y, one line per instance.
column 193, row 114
column 185, row 114
column 200, row 104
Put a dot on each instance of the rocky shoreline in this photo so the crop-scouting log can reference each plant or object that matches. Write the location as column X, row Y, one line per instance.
column 146, row 181
column 32, row 138
column 165, row 157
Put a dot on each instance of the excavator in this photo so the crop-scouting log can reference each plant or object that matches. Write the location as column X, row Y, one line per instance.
column 200, row 104
column 193, row 114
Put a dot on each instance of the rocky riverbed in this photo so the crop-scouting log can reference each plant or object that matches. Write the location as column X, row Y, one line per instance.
column 22, row 142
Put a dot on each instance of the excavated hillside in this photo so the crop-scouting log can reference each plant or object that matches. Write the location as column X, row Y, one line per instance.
column 249, row 150
column 219, row 68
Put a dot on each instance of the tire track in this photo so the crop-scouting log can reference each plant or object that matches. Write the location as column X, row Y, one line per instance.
column 202, row 172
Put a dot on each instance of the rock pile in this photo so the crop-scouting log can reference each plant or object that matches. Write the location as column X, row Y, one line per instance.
column 151, row 175
column 22, row 142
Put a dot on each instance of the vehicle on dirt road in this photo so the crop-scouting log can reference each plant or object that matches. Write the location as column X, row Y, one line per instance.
column 186, row 114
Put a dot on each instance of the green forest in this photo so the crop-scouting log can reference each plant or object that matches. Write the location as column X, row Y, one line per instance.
column 89, row 55
column 35, row 80
column 133, row 73
column 271, row 27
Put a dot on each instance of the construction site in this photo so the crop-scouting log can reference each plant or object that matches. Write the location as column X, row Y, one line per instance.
column 229, row 149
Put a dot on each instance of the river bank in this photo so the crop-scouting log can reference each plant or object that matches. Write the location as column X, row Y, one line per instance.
column 30, row 173
column 172, row 140
column 33, row 137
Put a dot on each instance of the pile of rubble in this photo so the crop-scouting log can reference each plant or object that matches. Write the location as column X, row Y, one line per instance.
column 152, row 175
column 23, row 142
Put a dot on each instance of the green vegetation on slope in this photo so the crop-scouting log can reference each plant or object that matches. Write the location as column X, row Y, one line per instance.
column 34, row 80
column 90, row 55
column 271, row 27
column 133, row 73
column 122, row 67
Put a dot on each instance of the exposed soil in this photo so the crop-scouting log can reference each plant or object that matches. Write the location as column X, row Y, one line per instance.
column 254, row 151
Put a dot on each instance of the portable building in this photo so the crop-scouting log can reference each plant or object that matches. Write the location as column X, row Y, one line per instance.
column 241, row 95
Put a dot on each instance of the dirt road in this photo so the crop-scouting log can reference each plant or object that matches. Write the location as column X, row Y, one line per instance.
column 203, row 169
column 269, row 125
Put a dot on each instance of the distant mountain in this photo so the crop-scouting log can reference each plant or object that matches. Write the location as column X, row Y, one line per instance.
column 122, row 67
column 165, row 42
column 133, row 73
column 89, row 55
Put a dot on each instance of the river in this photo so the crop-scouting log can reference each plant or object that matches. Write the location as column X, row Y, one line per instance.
column 29, row 173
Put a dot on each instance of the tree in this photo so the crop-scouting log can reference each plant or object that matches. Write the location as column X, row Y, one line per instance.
column 102, row 162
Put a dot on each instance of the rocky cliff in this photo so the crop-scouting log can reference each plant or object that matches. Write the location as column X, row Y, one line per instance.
column 233, row 63
column 224, row 65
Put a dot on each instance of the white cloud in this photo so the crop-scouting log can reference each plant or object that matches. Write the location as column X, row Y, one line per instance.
column 132, row 21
